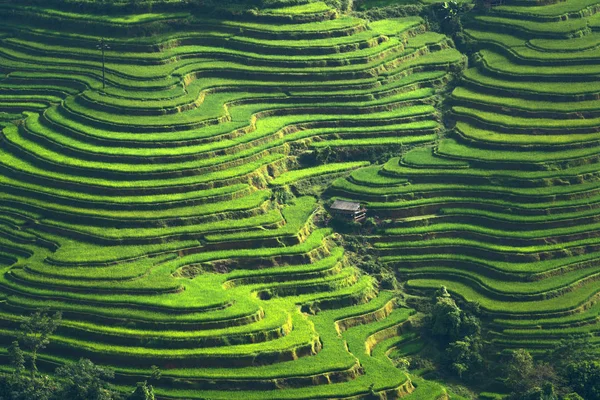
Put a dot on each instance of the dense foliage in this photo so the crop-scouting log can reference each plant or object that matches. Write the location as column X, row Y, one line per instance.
column 81, row 380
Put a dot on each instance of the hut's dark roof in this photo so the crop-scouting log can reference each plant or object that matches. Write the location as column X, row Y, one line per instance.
column 342, row 205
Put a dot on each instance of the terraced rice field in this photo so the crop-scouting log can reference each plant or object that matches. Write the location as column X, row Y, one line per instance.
column 504, row 209
column 146, row 212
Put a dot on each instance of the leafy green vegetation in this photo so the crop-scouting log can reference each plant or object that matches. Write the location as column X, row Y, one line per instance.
column 165, row 238
column 179, row 221
column 499, row 210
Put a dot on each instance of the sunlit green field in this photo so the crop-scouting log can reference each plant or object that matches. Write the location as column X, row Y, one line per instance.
column 170, row 198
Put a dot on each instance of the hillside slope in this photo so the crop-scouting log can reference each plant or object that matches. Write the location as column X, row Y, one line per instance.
column 504, row 210
column 145, row 210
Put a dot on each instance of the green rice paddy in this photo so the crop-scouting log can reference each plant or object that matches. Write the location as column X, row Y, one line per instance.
column 147, row 211
column 500, row 211
column 168, row 216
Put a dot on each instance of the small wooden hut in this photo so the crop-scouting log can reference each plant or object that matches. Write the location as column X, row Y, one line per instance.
column 348, row 210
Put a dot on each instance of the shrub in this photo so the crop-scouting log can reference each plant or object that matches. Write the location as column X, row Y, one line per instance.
column 584, row 377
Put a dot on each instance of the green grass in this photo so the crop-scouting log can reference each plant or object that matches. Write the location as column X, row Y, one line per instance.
column 452, row 148
column 187, row 232
column 308, row 8
column 293, row 176
column 425, row 158
column 508, row 140
column 120, row 20
column 295, row 216
column 541, row 124
column 374, row 142
column 395, row 26
column 551, row 10
column 369, row 4
column 470, row 95
column 502, row 210
column 502, row 65
column 586, row 42
column 563, row 29
column 342, row 23
column 567, row 302
column 210, row 273
column 543, row 89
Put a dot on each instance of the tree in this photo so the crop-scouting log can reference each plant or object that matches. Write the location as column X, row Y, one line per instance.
column 529, row 379
column 540, row 393
column 77, row 381
column 584, row 378
column 569, row 351
column 449, row 321
column 441, row 292
column 143, row 391
column 85, row 381
column 572, row 396
column 446, row 318
column 35, row 387
column 17, row 357
column 519, row 370
column 155, row 373
column 465, row 357
column 469, row 325
column 459, row 333
column 35, row 334
column 4, row 387
column 448, row 14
